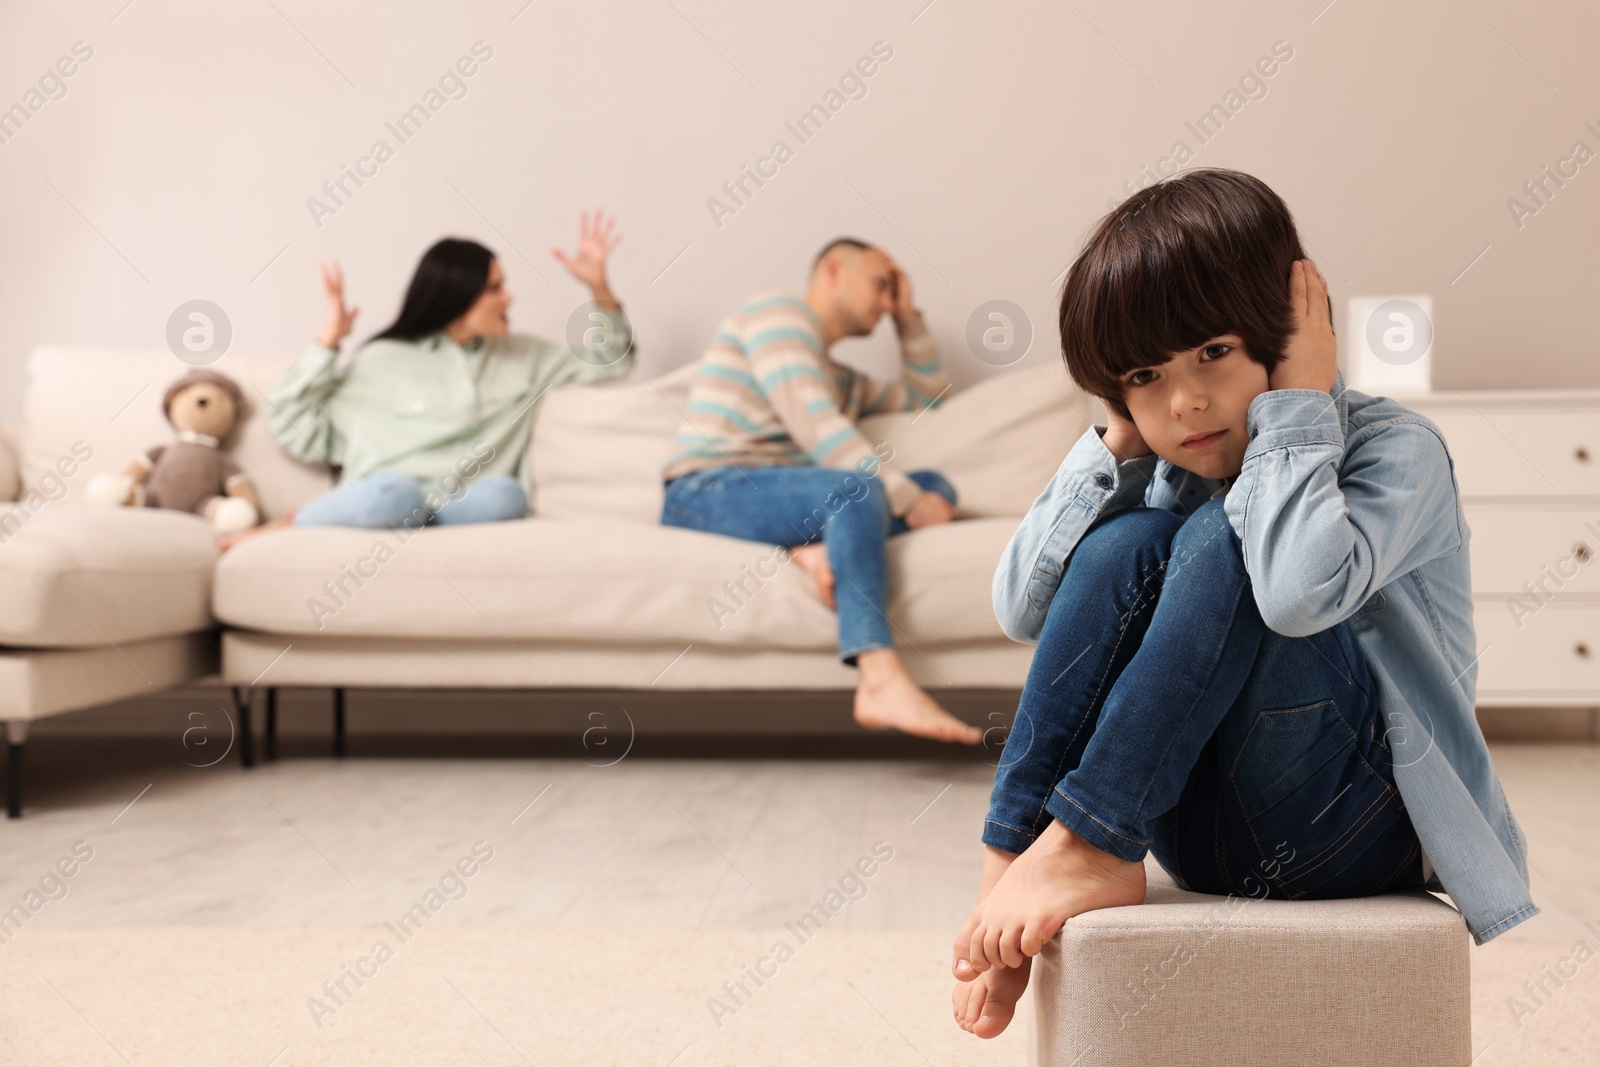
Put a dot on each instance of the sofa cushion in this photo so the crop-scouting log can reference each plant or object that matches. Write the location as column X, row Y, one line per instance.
column 77, row 577
column 90, row 411
column 598, row 452
column 590, row 581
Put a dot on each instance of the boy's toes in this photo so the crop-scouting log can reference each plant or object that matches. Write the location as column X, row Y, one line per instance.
column 1002, row 990
column 980, row 995
column 1035, row 936
column 977, row 953
column 961, row 950
column 1010, row 947
column 967, row 1002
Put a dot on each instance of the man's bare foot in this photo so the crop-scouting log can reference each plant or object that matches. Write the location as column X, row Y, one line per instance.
column 888, row 699
column 985, row 1003
column 227, row 541
column 1060, row 875
column 813, row 559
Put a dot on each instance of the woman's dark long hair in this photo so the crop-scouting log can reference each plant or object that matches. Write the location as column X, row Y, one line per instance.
column 448, row 281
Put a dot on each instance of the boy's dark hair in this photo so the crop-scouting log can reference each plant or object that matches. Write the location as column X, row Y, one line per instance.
column 1195, row 256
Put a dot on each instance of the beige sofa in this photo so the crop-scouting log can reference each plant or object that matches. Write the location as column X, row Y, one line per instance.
column 100, row 605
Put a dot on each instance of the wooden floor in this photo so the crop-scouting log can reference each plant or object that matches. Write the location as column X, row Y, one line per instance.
column 659, row 835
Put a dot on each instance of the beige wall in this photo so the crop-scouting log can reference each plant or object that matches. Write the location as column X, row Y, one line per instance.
column 179, row 162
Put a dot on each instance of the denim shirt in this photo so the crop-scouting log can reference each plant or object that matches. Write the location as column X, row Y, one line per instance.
column 1346, row 508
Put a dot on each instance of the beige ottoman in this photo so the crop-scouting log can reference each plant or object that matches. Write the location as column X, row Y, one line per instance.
column 1187, row 979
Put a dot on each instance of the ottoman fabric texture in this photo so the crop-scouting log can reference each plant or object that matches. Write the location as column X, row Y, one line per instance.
column 1192, row 979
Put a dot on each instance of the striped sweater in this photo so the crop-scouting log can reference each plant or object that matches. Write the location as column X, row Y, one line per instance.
column 768, row 395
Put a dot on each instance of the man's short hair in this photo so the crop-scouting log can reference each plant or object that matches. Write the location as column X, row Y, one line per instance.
column 1195, row 256
column 838, row 242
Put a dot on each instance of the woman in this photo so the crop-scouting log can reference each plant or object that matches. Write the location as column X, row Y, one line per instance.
column 429, row 421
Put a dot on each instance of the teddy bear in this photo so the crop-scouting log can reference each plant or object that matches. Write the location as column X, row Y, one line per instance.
column 193, row 473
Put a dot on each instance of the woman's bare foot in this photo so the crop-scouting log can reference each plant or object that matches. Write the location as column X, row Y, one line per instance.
column 228, row 540
column 1060, row 875
column 985, row 1003
column 813, row 559
column 888, row 699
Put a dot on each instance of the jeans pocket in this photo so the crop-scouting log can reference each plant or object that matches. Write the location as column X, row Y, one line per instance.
column 1311, row 797
column 1284, row 755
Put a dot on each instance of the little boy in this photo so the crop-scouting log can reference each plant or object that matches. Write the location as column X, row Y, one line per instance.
column 1251, row 598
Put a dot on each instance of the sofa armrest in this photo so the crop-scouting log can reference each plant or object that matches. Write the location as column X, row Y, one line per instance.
column 10, row 462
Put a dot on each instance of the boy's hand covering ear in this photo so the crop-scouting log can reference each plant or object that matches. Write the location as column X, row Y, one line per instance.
column 1311, row 356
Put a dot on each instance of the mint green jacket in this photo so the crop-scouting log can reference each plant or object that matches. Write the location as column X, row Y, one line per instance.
column 432, row 408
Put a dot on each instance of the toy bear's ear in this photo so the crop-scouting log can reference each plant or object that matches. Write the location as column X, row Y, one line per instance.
column 241, row 407
column 241, row 404
column 199, row 375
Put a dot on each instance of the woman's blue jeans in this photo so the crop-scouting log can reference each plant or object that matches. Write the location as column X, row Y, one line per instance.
column 792, row 506
column 1160, row 714
column 385, row 499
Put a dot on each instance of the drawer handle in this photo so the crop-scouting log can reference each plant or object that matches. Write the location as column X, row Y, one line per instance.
column 1582, row 650
column 1582, row 454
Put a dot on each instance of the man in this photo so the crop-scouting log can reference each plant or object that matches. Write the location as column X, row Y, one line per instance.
column 770, row 451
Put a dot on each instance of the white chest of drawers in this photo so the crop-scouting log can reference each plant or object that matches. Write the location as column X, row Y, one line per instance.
column 1528, row 465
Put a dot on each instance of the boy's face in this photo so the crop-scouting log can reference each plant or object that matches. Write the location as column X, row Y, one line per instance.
column 1191, row 409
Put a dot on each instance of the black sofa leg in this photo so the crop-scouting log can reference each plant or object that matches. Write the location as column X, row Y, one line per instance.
column 270, row 742
column 16, row 743
column 241, row 704
column 338, row 724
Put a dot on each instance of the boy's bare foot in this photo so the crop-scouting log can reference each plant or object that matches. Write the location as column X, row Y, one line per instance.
column 888, row 699
column 228, row 540
column 813, row 559
column 985, row 1003
column 1060, row 875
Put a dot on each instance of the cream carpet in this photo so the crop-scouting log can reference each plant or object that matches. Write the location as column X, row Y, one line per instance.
column 481, row 995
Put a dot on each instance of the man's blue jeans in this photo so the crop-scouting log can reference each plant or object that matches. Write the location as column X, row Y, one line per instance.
column 1160, row 714
column 385, row 499
column 792, row 506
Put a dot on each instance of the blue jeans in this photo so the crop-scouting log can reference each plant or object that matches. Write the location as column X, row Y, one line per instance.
column 792, row 506
column 1160, row 714
column 386, row 499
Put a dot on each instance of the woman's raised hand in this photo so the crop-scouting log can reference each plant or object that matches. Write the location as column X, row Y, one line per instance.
column 339, row 320
column 595, row 242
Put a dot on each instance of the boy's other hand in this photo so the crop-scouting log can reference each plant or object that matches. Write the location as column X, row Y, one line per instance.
column 1122, row 437
column 1311, row 356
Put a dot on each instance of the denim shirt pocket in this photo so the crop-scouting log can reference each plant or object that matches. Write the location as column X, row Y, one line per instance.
column 1374, row 603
